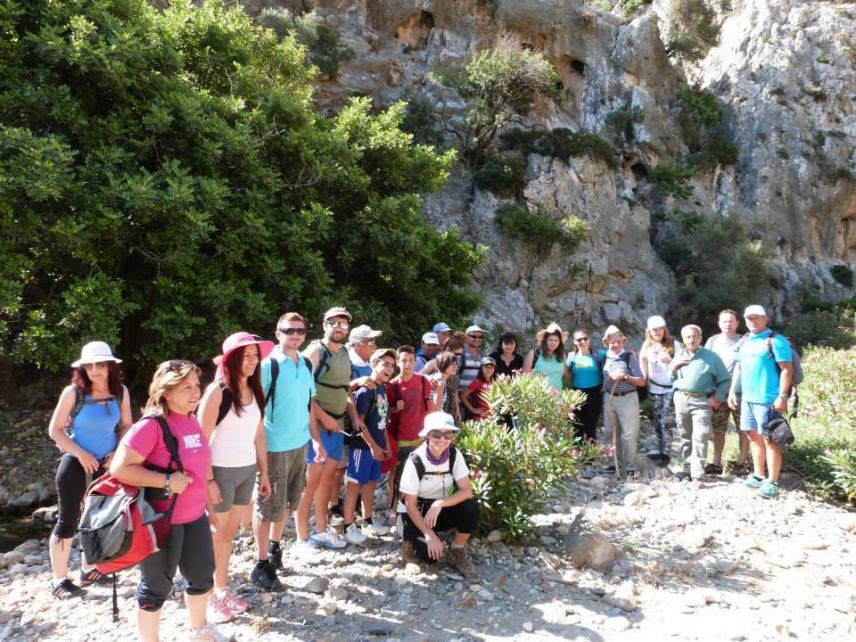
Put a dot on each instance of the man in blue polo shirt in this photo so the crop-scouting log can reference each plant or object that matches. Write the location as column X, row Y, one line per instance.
column 764, row 368
column 288, row 428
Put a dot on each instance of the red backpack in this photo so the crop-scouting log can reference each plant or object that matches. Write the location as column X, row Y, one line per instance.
column 118, row 525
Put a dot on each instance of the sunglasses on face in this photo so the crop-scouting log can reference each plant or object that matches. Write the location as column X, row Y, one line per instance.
column 581, row 339
column 343, row 325
column 292, row 331
column 435, row 434
column 475, row 336
column 176, row 365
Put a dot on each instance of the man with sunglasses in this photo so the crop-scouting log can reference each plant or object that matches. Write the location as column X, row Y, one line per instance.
column 289, row 426
column 471, row 360
column 332, row 372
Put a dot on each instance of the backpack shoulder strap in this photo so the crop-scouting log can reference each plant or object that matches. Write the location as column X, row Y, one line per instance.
column 307, row 363
column 225, row 402
column 274, row 375
column 322, row 360
column 419, row 464
column 453, row 455
column 168, row 439
column 79, row 401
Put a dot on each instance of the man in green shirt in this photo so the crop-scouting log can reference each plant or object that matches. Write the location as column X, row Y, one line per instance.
column 700, row 381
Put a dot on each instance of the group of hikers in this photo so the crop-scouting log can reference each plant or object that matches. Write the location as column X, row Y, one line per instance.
column 279, row 430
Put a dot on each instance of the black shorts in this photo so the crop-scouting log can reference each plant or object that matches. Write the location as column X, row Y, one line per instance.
column 463, row 517
column 70, row 489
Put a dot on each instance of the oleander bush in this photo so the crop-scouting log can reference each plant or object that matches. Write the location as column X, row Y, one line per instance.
column 516, row 471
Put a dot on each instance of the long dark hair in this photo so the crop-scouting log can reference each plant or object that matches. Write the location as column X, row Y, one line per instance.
column 481, row 376
column 543, row 335
column 80, row 380
column 233, row 379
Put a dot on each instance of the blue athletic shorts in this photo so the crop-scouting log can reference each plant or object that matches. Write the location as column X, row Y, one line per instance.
column 362, row 467
column 332, row 442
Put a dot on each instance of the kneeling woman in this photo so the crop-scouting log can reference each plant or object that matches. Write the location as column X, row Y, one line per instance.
column 173, row 393
column 436, row 488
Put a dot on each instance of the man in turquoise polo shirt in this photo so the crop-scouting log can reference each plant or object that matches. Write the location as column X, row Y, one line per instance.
column 288, row 429
column 700, row 380
column 764, row 368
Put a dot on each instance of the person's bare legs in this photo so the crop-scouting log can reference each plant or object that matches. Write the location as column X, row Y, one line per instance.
column 328, row 473
column 774, row 461
column 228, row 523
column 718, row 447
column 367, row 492
column 148, row 623
column 313, row 479
column 60, row 550
column 759, row 453
column 352, row 491
column 196, row 606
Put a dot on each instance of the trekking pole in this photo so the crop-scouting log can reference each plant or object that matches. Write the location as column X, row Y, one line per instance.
column 615, row 460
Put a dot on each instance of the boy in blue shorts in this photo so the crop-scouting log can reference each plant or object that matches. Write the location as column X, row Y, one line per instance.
column 368, row 449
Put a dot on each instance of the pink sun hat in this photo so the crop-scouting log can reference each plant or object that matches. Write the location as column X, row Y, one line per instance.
column 237, row 340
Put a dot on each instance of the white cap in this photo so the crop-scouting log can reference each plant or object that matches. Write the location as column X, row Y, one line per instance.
column 438, row 421
column 95, row 352
column 363, row 332
column 430, row 338
column 755, row 311
column 474, row 328
column 656, row 322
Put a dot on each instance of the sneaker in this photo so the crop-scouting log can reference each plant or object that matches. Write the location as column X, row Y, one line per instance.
column 65, row 588
column 458, row 559
column 713, row 469
column 235, row 604
column 218, row 611
column 353, row 535
column 753, row 481
column 408, row 553
column 264, row 576
column 769, row 489
column 207, row 634
column 375, row 530
column 275, row 555
column 304, row 549
column 92, row 576
column 328, row 539
column 609, row 469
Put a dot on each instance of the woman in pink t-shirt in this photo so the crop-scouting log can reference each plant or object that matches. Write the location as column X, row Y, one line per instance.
column 173, row 393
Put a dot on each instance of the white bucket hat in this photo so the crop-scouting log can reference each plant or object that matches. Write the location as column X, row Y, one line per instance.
column 95, row 352
column 438, row 421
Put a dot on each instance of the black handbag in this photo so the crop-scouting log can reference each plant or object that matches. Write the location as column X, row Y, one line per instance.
column 777, row 430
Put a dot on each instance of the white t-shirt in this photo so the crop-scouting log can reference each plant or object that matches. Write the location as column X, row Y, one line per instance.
column 726, row 348
column 659, row 379
column 432, row 486
column 233, row 442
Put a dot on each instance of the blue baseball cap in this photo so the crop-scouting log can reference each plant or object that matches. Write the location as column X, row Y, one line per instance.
column 441, row 327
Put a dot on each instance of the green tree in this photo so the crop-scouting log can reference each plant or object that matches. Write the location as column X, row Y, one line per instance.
column 164, row 181
column 499, row 86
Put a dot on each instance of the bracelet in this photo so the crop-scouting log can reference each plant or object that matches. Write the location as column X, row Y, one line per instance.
column 166, row 486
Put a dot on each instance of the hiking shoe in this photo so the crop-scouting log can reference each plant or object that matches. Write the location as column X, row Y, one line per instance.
column 328, row 539
column 264, row 576
column 713, row 469
column 65, row 588
column 235, row 604
column 304, row 549
column 275, row 555
column 753, row 481
column 375, row 530
column 207, row 634
column 408, row 553
column 353, row 535
column 218, row 611
column 609, row 469
column 769, row 489
column 458, row 559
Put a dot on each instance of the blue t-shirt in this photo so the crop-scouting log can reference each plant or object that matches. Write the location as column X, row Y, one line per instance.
column 287, row 425
column 586, row 369
column 94, row 427
column 375, row 417
column 759, row 375
column 551, row 368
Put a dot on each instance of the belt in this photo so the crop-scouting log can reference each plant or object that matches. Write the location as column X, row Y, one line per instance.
column 621, row 394
column 694, row 394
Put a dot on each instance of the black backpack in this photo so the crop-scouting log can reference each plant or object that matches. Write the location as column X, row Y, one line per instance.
column 420, row 465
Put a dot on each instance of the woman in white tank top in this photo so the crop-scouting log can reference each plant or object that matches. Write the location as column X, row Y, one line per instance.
column 232, row 417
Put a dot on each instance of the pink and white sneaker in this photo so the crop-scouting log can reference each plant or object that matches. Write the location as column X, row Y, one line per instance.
column 218, row 610
column 208, row 634
column 235, row 604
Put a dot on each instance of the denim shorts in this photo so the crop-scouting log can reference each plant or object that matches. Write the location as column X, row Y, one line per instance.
column 753, row 416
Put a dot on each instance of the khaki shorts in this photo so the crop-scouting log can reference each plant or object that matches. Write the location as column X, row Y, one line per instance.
column 287, row 474
column 721, row 415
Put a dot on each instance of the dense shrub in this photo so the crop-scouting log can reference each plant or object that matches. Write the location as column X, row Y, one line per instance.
column 694, row 28
column 563, row 143
column 824, row 324
column 622, row 121
column 515, row 472
column 717, row 151
column 522, row 140
column 499, row 86
column 516, row 221
column 825, row 449
column 165, row 181
column 503, row 174
column 672, row 179
column 715, row 263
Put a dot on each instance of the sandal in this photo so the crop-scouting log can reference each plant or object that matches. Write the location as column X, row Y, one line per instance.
column 92, row 576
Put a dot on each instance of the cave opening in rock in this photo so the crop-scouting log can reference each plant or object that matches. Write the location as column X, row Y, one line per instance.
column 579, row 66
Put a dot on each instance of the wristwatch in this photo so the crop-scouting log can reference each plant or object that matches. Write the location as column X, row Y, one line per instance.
column 166, row 488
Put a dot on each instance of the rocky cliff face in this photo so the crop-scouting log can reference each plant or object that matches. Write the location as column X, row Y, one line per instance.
column 782, row 69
